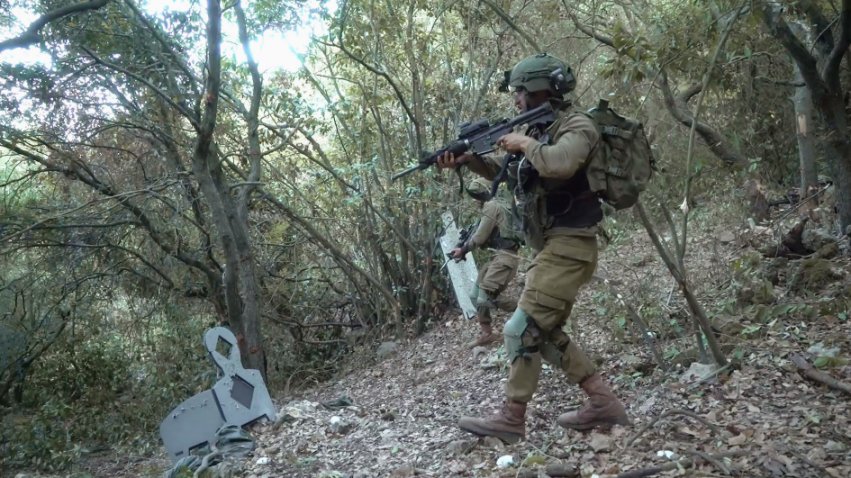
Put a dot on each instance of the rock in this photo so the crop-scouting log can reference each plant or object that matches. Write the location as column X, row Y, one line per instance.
column 835, row 447
column 726, row 237
column 697, row 371
column 505, row 461
column 494, row 442
column 815, row 239
column 339, row 426
column 667, row 454
column 819, row 350
column 263, row 460
column 479, row 351
column 828, row 251
column 459, row 447
column 728, row 325
column 386, row 349
column 404, row 471
column 600, row 442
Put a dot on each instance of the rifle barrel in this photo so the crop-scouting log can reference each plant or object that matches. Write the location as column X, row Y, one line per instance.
column 406, row 172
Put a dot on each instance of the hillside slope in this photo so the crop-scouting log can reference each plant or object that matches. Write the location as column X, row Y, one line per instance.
column 404, row 407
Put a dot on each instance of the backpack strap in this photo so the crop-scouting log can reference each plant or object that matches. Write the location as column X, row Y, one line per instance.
column 615, row 131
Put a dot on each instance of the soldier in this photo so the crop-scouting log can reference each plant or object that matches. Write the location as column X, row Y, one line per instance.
column 561, row 218
column 496, row 230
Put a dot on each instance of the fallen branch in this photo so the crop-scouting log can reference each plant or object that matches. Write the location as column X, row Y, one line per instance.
column 682, row 463
column 555, row 470
column 807, row 370
column 675, row 411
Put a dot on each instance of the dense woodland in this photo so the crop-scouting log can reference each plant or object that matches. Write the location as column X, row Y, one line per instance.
column 154, row 183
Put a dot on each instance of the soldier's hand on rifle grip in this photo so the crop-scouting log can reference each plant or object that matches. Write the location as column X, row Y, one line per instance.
column 515, row 142
column 458, row 254
column 449, row 160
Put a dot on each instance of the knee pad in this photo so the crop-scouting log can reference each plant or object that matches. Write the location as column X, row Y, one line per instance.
column 521, row 335
column 485, row 298
column 554, row 347
column 474, row 294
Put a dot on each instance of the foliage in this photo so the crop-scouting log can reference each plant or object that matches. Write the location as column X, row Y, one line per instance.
column 108, row 240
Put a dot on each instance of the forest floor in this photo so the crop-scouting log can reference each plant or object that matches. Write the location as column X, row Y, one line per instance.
column 395, row 416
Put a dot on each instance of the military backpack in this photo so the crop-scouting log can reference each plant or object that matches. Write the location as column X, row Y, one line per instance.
column 623, row 163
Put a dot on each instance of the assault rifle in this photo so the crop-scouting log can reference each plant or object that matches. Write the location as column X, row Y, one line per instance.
column 480, row 137
column 463, row 235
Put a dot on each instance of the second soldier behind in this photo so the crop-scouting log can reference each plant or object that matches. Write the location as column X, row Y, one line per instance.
column 497, row 230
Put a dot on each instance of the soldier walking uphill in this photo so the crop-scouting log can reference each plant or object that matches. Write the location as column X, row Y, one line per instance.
column 561, row 217
column 496, row 230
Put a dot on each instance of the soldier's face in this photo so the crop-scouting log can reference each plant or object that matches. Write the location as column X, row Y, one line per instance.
column 525, row 100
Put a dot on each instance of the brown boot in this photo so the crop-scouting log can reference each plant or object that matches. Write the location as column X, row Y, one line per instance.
column 602, row 409
column 486, row 337
column 509, row 424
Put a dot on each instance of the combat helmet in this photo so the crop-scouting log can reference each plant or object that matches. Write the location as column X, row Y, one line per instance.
column 479, row 189
column 540, row 72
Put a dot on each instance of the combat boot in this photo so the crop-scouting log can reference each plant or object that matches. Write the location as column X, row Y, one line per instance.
column 509, row 424
column 602, row 409
column 486, row 336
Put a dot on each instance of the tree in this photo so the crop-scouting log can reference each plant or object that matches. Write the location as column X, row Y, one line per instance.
column 825, row 87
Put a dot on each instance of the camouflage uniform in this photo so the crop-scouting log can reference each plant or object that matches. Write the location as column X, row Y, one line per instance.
column 566, row 262
column 566, row 259
column 497, row 273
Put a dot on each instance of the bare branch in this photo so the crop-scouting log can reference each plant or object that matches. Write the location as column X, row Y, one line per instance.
column 375, row 70
column 590, row 31
column 831, row 67
column 681, row 113
column 504, row 16
column 806, row 62
column 32, row 35
column 166, row 97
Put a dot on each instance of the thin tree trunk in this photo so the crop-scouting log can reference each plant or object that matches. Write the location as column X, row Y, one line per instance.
column 804, row 124
column 697, row 311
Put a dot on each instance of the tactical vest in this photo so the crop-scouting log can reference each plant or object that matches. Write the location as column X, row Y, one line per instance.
column 547, row 203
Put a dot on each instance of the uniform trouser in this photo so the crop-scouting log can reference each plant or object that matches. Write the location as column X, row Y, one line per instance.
column 535, row 330
column 492, row 280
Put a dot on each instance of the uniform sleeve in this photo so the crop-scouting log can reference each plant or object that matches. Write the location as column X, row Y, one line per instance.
column 487, row 166
column 489, row 221
column 573, row 141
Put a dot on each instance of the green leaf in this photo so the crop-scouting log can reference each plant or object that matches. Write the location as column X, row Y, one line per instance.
column 534, row 459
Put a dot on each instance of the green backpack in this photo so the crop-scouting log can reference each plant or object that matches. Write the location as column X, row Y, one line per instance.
column 623, row 163
column 510, row 225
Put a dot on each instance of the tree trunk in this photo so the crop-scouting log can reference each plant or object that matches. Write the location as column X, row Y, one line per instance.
column 680, row 275
column 238, row 279
column 826, row 89
column 805, row 125
column 839, row 155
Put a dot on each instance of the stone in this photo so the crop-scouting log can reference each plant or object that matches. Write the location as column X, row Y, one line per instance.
column 404, row 471
column 494, row 442
column 339, row 426
column 600, row 442
column 726, row 237
column 697, row 371
column 459, row 447
column 505, row 461
column 386, row 349
column 728, row 325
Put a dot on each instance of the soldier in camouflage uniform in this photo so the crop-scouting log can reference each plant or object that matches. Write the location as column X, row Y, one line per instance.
column 564, row 234
column 494, row 231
